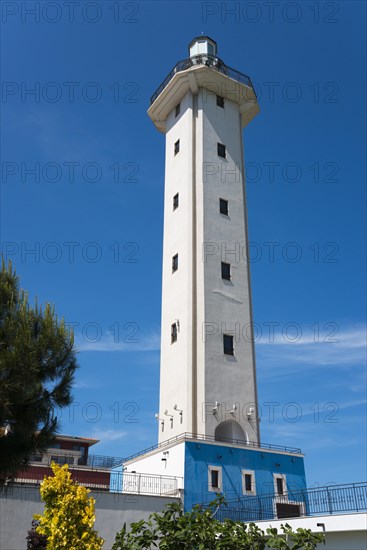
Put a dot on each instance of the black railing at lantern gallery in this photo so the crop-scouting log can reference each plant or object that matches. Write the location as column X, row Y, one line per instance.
column 208, row 60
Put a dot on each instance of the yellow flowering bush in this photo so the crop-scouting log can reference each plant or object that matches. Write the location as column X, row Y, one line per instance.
column 68, row 518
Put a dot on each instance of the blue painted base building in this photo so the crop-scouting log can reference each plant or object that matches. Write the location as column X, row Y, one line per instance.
column 242, row 472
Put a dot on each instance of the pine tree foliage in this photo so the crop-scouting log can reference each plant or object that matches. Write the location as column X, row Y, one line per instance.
column 37, row 365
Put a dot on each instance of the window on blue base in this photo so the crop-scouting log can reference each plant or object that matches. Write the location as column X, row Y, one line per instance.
column 280, row 484
column 228, row 347
column 215, row 478
column 248, row 482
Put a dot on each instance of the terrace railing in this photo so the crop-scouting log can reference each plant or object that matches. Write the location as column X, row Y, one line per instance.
column 76, row 459
column 338, row 499
column 147, row 484
column 113, row 481
column 200, row 437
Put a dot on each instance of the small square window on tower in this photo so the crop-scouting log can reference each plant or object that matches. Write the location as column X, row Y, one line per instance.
column 228, row 347
column 175, row 201
column 226, row 271
column 220, row 101
column 177, row 109
column 221, row 150
column 175, row 263
column 177, row 147
column 223, row 206
column 173, row 333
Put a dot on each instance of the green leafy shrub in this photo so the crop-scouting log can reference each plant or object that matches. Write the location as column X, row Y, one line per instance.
column 198, row 529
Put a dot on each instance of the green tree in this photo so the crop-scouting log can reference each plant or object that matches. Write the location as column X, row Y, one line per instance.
column 68, row 518
column 37, row 365
column 198, row 529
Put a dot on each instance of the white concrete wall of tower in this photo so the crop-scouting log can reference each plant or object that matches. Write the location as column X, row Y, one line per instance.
column 194, row 370
column 176, row 359
column 226, row 379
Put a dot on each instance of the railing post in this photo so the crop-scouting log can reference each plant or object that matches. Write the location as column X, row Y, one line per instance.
column 305, row 502
column 355, row 497
column 260, row 508
column 329, row 501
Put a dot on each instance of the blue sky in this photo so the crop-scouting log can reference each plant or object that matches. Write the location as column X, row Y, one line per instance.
column 93, row 211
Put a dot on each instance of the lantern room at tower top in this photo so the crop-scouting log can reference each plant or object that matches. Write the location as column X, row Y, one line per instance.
column 203, row 69
column 202, row 45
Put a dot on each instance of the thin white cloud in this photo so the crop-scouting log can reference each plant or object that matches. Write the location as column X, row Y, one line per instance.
column 107, row 343
column 349, row 349
column 109, row 435
column 351, row 338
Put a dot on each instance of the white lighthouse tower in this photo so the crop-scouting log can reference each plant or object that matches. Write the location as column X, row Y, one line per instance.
column 207, row 373
column 209, row 438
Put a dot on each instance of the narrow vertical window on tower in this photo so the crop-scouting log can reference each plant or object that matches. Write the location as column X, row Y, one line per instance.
column 220, row 101
column 173, row 333
column 226, row 271
column 175, row 263
column 221, row 150
column 177, row 109
column 228, row 347
column 175, row 201
column 177, row 147
column 223, row 207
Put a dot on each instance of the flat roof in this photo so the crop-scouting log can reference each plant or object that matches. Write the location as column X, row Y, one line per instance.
column 74, row 438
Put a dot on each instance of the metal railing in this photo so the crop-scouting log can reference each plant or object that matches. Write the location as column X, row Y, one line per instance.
column 200, row 437
column 76, row 459
column 339, row 499
column 99, row 461
column 147, row 484
column 203, row 59
column 113, row 481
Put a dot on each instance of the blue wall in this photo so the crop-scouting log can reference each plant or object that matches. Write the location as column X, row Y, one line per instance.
column 198, row 456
